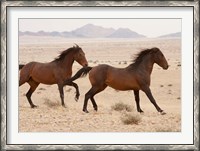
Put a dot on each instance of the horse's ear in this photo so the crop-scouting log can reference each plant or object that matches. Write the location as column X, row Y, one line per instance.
column 155, row 49
column 76, row 45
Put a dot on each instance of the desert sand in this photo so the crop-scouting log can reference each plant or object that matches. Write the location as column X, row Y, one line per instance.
column 50, row 116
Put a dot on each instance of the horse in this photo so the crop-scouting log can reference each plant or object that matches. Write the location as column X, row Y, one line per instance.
column 54, row 72
column 135, row 76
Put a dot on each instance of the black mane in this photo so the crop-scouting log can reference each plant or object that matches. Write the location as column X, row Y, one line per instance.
column 139, row 57
column 64, row 53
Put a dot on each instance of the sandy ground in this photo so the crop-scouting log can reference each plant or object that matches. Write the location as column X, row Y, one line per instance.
column 50, row 116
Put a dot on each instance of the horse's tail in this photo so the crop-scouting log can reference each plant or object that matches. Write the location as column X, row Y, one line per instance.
column 82, row 72
column 21, row 66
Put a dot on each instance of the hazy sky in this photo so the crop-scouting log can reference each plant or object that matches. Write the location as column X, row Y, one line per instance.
column 147, row 27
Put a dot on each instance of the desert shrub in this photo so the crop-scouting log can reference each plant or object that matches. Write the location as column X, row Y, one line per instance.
column 131, row 118
column 50, row 103
column 121, row 107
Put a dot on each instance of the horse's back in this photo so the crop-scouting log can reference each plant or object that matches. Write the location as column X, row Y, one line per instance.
column 117, row 78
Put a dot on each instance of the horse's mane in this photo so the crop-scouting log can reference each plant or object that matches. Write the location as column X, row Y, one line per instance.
column 65, row 53
column 139, row 57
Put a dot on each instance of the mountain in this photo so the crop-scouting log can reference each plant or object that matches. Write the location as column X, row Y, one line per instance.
column 88, row 31
column 92, row 31
column 172, row 35
column 125, row 33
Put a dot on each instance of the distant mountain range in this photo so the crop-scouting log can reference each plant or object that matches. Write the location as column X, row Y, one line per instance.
column 173, row 35
column 89, row 31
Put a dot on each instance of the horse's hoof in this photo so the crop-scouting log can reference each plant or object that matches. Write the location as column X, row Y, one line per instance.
column 34, row 106
column 163, row 113
column 76, row 99
column 141, row 112
column 86, row 111
column 63, row 105
column 96, row 109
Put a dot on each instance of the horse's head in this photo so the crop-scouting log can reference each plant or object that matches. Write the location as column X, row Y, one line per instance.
column 80, row 56
column 159, row 58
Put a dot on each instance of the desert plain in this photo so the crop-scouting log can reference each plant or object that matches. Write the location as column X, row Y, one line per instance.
column 50, row 116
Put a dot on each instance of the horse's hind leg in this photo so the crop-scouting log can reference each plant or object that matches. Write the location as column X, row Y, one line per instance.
column 21, row 82
column 33, row 86
column 137, row 100
column 87, row 97
column 23, row 79
column 94, row 103
column 90, row 95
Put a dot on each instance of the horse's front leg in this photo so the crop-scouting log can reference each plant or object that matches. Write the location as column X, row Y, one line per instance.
column 76, row 87
column 137, row 100
column 77, row 91
column 60, row 88
column 150, row 96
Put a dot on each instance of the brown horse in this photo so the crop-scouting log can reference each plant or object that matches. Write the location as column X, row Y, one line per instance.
column 134, row 77
column 55, row 72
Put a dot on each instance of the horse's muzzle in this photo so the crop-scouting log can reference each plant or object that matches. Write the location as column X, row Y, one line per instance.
column 166, row 67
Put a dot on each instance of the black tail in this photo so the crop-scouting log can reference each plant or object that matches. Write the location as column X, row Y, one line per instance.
column 82, row 72
column 21, row 66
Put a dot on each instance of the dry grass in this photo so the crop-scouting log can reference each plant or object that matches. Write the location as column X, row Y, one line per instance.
column 165, row 129
column 127, row 118
column 51, row 104
column 131, row 118
column 121, row 107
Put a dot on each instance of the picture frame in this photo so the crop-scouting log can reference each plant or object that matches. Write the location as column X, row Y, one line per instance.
column 5, row 5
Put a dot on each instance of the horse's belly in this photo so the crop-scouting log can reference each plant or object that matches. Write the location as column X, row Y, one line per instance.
column 44, row 80
column 123, row 85
column 43, row 76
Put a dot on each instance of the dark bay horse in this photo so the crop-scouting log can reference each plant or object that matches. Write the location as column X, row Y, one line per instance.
column 134, row 77
column 55, row 72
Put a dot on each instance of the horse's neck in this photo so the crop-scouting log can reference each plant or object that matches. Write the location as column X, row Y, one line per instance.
column 146, row 64
column 67, row 63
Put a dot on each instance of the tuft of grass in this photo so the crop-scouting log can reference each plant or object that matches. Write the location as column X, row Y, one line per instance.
column 121, row 107
column 68, row 90
column 51, row 104
column 130, row 118
column 165, row 129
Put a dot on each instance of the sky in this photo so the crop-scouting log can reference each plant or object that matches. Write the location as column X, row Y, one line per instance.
column 148, row 27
